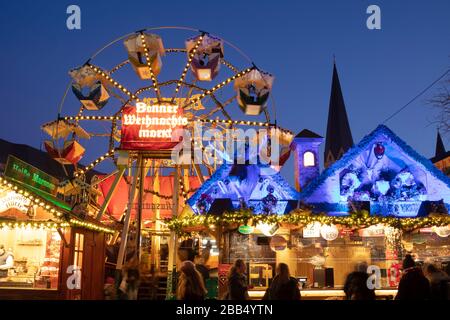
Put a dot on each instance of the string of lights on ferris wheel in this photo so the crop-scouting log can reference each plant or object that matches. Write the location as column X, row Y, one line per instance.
column 212, row 121
column 217, row 87
column 188, row 65
column 149, row 65
column 191, row 100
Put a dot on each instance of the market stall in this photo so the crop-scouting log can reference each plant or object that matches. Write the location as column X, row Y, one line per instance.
column 47, row 251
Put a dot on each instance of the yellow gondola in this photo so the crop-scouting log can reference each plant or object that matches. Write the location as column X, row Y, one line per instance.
column 137, row 57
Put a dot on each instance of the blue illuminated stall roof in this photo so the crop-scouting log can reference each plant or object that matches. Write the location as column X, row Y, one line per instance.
column 355, row 151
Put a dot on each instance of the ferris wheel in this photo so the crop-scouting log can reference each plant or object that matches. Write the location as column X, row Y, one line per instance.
column 132, row 97
column 201, row 86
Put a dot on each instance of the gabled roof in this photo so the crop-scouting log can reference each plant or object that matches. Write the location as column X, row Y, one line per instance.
column 339, row 136
column 225, row 171
column 305, row 133
column 354, row 152
column 39, row 159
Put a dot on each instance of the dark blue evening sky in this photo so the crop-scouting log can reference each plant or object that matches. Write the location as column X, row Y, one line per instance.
column 380, row 70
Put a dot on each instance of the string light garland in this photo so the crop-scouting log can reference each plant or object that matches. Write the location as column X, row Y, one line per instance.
column 302, row 218
column 162, row 196
column 34, row 200
column 229, row 65
column 90, row 226
column 49, row 225
column 119, row 66
column 97, row 118
column 244, row 122
column 184, row 194
column 188, row 65
column 90, row 166
column 217, row 87
column 113, row 82
column 222, row 60
column 149, row 65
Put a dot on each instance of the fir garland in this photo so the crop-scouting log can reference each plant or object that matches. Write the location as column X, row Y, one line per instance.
column 181, row 225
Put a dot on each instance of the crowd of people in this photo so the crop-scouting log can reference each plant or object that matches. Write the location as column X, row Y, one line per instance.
column 416, row 283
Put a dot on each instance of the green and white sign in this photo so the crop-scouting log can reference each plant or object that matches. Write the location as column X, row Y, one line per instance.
column 27, row 174
column 245, row 229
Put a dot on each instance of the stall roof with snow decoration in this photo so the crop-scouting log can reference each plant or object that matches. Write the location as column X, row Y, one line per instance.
column 254, row 186
column 381, row 174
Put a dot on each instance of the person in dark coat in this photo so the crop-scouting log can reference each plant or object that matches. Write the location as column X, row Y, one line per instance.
column 200, row 266
column 237, row 282
column 129, row 284
column 413, row 284
column 283, row 286
column 439, row 282
column 356, row 287
column 190, row 283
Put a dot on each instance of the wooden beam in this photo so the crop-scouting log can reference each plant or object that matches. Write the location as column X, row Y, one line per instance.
column 198, row 171
column 63, row 238
column 126, row 224
column 110, row 194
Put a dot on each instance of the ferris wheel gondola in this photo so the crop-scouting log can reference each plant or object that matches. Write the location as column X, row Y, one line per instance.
column 137, row 48
column 208, row 52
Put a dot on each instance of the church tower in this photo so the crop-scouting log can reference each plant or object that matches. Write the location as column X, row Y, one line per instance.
column 339, row 136
column 306, row 152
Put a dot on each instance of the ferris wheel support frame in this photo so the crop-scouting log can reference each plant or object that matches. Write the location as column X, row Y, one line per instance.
column 126, row 223
column 125, row 96
column 171, row 269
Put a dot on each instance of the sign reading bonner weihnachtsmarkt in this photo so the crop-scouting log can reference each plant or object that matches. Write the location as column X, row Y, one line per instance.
column 25, row 173
column 150, row 126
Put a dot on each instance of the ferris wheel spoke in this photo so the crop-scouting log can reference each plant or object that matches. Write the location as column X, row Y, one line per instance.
column 119, row 66
column 266, row 114
column 111, row 80
column 118, row 97
column 149, row 65
column 221, row 107
column 188, row 65
column 217, row 87
column 113, row 133
column 96, row 118
column 80, row 113
column 90, row 166
column 229, row 65
column 191, row 89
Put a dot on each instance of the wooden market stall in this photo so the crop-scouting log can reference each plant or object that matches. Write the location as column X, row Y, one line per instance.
column 47, row 250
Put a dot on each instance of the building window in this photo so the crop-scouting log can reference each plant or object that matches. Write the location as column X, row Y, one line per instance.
column 78, row 253
column 308, row 159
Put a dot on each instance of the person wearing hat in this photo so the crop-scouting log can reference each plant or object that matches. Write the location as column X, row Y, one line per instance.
column 6, row 261
column 413, row 284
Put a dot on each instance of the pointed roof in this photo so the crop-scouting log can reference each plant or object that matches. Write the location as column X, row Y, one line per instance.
column 355, row 151
column 440, row 152
column 440, row 148
column 305, row 133
column 339, row 136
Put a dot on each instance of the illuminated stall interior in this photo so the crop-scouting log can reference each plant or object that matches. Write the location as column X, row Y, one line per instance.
column 42, row 241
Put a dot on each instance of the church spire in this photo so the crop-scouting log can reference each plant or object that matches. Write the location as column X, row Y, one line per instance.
column 440, row 148
column 339, row 136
